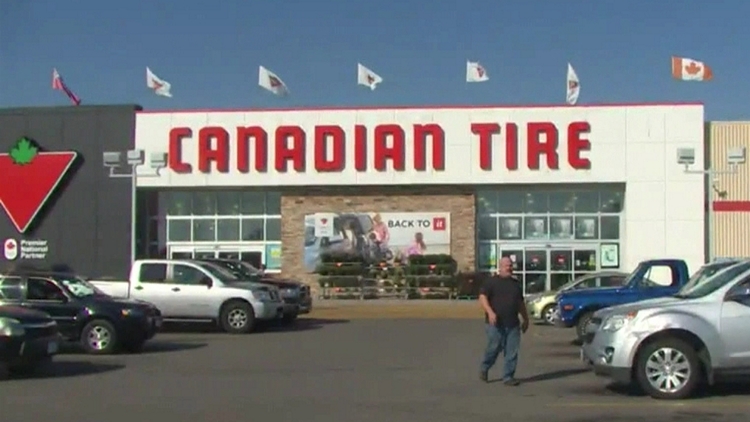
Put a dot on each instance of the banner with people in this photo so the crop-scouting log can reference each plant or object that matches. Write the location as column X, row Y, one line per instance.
column 376, row 236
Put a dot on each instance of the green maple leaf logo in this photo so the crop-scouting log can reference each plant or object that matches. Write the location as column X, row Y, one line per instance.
column 23, row 152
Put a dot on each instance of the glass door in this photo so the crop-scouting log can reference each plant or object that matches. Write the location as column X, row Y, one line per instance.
column 176, row 252
column 204, row 253
column 253, row 255
column 541, row 268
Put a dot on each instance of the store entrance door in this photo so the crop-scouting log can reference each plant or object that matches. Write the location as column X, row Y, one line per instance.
column 253, row 255
column 545, row 267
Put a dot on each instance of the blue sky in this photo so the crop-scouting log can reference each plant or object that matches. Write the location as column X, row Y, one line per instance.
column 210, row 51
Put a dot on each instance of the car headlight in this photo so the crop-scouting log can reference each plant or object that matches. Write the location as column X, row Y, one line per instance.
column 262, row 295
column 617, row 322
column 10, row 327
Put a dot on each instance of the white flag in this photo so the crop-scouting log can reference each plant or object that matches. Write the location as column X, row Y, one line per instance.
column 367, row 77
column 270, row 81
column 573, row 86
column 475, row 72
column 160, row 86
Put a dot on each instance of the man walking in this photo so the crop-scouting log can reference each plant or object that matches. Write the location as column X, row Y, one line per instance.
column 501, row 298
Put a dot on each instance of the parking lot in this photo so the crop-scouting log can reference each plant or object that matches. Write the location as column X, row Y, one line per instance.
column 346, row 370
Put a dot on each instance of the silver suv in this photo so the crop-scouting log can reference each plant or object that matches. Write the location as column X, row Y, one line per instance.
column 668, row 346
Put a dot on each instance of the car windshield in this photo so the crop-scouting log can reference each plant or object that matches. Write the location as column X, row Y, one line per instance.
column 221, row 273
column 79, row 287
column 705, row 272
column 713, row 282
column 309, row 235
column 574, row 283
column 248, row 269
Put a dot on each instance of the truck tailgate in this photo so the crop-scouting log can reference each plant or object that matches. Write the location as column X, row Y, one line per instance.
column 119, row 289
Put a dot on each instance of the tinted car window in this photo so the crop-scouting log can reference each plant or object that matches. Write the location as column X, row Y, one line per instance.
column 185, row 274
column 41, row 289
column 153, row 273
column 10, row 288
column 612, row 281
column 587, row 283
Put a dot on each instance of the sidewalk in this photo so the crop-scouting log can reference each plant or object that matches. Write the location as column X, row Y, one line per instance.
column 388, row 309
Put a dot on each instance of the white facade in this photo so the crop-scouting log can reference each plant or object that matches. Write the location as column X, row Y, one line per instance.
column 635, row 145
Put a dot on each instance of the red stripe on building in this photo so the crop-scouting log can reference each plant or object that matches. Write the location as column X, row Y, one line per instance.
column 732, row 206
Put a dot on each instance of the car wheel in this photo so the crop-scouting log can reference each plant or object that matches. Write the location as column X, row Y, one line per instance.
column 548, row 313
column 583, row 321
column 99, row 337
column 237, row 318
column 668, row 369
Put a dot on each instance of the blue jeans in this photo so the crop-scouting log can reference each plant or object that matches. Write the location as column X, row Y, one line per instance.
column 506, row 340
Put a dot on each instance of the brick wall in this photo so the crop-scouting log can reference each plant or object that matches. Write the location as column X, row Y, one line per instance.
column 296, row 204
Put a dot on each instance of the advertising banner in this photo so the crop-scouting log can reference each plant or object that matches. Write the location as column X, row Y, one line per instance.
column 376, row 236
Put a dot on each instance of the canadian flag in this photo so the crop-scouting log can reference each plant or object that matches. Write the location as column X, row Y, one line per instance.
column 60, row 85
column 367, row 77
column 686, row 69
column 271, row 82
column 475, row 72
column 158, row 85
column 573, row 86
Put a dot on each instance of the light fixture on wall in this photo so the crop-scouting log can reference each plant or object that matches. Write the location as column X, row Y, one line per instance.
column 735, row 157
column 115, row 161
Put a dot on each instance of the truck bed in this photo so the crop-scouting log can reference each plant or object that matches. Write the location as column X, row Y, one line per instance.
column 114, row 288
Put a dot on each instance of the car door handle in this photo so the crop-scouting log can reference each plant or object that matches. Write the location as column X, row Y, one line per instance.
column 175, row 289
column 138, row 287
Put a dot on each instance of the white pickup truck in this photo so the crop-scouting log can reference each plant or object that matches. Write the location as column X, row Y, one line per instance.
column 190, row 291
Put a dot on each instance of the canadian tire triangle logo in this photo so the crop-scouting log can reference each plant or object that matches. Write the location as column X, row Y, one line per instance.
column 28, row 178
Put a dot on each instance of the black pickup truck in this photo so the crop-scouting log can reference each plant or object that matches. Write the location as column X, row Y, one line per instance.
column 102, row 324
column 28, row 339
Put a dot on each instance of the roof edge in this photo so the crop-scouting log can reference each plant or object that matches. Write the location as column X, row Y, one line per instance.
column 417, row 107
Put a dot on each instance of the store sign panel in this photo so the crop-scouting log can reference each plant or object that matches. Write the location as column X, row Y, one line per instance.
column 343, row 147
column 30, row 177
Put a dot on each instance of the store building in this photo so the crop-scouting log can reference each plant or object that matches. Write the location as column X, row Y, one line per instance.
column 560, row 190
column 730, row 189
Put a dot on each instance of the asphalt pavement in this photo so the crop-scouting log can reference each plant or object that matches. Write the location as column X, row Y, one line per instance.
column 337, row 370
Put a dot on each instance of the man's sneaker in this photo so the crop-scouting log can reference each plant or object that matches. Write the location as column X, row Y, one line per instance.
column 512, row 382
column 483, row 376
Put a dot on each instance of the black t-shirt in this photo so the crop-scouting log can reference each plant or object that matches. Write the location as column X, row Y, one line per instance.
column 505, row 296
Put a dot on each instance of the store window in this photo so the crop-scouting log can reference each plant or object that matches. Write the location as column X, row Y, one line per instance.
column 552, row 234
column 222, row 223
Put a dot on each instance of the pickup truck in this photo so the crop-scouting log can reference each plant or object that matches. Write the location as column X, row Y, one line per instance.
column 669, row 346
column 651, row 279
column 190, row 291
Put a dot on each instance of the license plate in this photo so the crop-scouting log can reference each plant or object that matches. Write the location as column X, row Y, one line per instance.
column 157, row 322
column 52, row 348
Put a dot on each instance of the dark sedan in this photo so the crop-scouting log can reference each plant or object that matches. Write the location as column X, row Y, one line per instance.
column 28, row 339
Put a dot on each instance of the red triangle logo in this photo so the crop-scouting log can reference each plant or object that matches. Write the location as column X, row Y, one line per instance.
column 26, row 187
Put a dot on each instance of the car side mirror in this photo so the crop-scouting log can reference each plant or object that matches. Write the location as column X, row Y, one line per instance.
column 206, row 281
column 738, row 295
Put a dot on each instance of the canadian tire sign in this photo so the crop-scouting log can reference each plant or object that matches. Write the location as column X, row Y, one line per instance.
column 28, row 178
